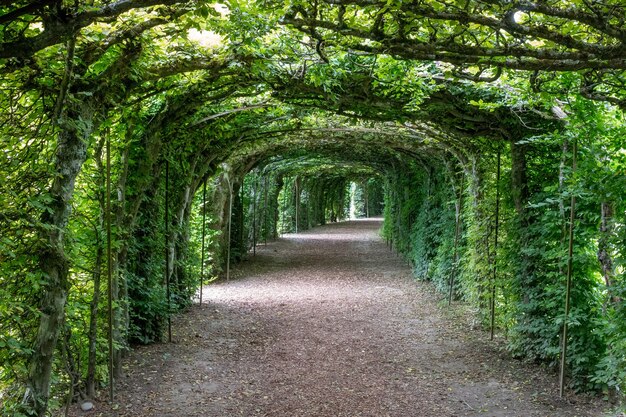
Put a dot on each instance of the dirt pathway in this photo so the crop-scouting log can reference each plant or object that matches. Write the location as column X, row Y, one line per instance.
column 329, row 323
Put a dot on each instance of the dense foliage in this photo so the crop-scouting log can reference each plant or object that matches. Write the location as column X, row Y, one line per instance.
column 527, row 270
column 146, row 144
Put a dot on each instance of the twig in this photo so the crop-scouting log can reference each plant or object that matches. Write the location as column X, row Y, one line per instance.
column 65, row 83
column 468, row 406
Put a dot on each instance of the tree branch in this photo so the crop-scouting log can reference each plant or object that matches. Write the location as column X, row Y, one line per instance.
column 58, row 31
column 28, row 9
column 98, row 49
column 495, row 38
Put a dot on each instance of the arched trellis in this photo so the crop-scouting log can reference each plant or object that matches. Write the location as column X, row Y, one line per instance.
column 246, row 147
column 168, row 106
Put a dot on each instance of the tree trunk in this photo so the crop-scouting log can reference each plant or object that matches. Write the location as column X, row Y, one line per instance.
column 265, row 208
column 120, row 253
column 92, row 336
column 519, row 180
column 562, row 167
column 144, row 177
column 520, row 193
column 93, row 325
column 181, row 237
column 367, row 202
column 604, row 248
column 70, row 155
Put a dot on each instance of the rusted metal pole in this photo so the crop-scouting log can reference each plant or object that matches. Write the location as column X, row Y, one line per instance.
column 203, row 239
column 167, row 247
column 495, row 249
column 367, row 199
column 230, row 222
column 254, row 223
column 284, row 206
column 109, row 268
column 243, row 210
column 457, row 233
column 265, row 228
column 297, row 201
column 568, row 285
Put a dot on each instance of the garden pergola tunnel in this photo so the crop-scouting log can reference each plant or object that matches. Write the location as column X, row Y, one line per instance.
column 147, row 144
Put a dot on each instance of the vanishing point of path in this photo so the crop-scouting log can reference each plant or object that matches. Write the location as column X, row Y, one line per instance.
column 329, row 323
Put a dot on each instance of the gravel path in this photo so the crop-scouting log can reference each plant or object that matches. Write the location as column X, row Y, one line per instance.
column 329, row 323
